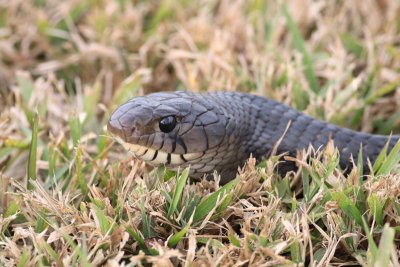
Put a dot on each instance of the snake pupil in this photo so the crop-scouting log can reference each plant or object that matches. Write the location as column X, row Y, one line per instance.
column 167, row 124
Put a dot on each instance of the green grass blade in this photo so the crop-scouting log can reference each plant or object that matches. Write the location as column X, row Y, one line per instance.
column 33, row 150
column 137, row 237
column 178, row 192
column 381, row 157
column 78, row 166
column 12, row 209
column 225, row 203
column 353, row 45
column 391, row 161
column 382, row 91
column 52, row 159
column 141, row 242
column 90, row 100
column 306, row 184
column 79, row 251
column 371, row 242
column 301, row 97
column 146, row 222
column 376, row 206
column 40, row 224
column 75, row 128
column 24, row 258
column 360, row 164
column 348, row 207
column 190, row 205
column 300, row 46
column 234, row 239
column 26, row 85
column 295, row 251
column 385, row 247
column 102, row 218
column 206, row 206
column 174, row 240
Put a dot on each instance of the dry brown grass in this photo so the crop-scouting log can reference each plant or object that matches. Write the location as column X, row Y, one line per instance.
column 74, row 61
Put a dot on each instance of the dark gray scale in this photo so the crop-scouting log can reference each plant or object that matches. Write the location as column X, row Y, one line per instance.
column 185, row 126
column 159, row 139
column 168, row 143
column 196, row 135
column 215, row 134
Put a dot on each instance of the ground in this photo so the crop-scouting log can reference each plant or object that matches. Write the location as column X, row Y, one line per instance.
column 70, row 195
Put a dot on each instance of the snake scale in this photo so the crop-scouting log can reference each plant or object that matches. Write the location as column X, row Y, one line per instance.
column 220, row 130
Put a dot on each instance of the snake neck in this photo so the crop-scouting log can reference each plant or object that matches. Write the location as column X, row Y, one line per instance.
column 275, row 127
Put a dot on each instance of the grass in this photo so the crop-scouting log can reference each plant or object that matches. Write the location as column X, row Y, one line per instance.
column 71, row 196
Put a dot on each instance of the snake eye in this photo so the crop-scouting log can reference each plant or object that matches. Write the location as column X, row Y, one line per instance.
column 167, row 124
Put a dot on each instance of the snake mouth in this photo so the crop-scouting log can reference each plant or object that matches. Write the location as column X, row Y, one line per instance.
column 157, row 157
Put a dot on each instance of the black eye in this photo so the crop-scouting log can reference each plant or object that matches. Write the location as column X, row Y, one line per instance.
column 167, row 124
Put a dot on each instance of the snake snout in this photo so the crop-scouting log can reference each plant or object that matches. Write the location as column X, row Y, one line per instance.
column 123, row 130
column 115, row 127
column 132, row 122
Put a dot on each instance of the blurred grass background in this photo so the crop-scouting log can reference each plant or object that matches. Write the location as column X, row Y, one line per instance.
column 65, row 65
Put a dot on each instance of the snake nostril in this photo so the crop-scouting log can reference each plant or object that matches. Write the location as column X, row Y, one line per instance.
column 115, row 127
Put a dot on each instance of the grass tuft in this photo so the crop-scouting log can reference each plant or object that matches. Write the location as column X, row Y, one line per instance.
column 71, row 196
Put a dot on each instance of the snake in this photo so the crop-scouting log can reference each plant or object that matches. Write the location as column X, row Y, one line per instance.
column 219, row 131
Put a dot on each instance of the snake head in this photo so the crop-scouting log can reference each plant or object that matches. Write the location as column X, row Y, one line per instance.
column 174, row 129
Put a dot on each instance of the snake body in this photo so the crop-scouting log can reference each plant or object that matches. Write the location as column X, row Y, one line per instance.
column 220, row 130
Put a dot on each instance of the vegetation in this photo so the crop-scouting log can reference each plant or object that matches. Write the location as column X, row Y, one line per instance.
column 69, row 195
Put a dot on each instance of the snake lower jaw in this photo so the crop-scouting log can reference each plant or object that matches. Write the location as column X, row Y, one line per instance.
column 176, row 162
column 157, row 158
